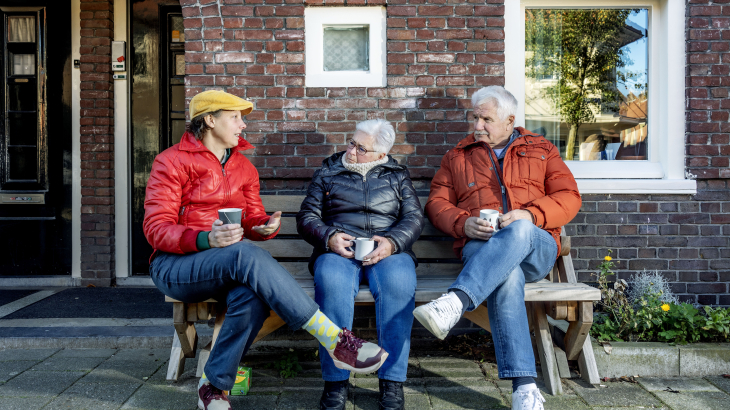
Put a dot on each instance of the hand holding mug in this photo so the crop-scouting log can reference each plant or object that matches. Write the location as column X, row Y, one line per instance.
column 383, row 250
column 477, row 228
column 513, row 216
column 339, row 242
column 222, row 235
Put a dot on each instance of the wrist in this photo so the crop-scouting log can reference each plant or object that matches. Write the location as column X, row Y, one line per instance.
column 393, row 246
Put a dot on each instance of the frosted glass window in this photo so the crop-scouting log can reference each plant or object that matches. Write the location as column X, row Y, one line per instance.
column 21, row 29
column 346, row 48
column 23, row 64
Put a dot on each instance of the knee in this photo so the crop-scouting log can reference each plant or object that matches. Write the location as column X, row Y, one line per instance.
column 521, row 229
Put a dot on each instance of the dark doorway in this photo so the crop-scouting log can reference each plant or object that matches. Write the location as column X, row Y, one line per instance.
column 35, row 138
column 158, row 101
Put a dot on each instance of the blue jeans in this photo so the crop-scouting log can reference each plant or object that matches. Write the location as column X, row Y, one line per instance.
column 393, row 285
column 497, row 270
column 250, row 281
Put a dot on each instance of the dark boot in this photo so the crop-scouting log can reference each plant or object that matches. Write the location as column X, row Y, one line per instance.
column 334, row 396
column 391, row 396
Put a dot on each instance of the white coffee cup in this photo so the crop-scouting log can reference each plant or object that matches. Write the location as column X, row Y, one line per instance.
column 363, row 246
column 491, row 216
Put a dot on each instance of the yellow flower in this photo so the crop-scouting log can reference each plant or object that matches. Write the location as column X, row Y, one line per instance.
column 665, row 307
column 607, row 258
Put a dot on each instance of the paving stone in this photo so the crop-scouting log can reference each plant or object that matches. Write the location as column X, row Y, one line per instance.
column 695, row 400
column 415, row 386
column 301, row 383
column 86, row 353
column 300, row 400
column 8, row 370
column 682, row 384
column 369, row 401
column 490, row 370
column 449, row 367
column 614, row 394
column 158, row 397
column 39, row 383
column 88, row 396
column 141, row 355
column 126, row 371
column 722, row 383
column 61, row 364
column 455, row 383
column 254, row 401
column 23, row 403
column 26, row 354
column 465, row 398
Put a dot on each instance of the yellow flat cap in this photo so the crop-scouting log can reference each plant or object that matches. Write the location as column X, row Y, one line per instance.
column 214, row 100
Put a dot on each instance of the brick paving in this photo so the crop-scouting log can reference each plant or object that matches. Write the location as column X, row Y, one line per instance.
column 135, row 379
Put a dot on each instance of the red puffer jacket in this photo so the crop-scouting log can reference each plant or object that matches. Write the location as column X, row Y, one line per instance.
column 534, row 175
column 188, row 186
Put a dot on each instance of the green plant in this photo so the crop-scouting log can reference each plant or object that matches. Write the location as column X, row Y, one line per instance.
column 287, row 365
column 718, row 322
column 682, row 324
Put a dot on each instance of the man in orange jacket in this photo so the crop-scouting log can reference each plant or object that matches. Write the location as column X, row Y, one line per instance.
column 521, row 176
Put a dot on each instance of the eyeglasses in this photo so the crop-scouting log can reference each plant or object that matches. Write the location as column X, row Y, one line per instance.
column 359, row 148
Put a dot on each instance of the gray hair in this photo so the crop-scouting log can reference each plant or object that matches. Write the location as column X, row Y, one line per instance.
column 382, row 132
column 506, row 102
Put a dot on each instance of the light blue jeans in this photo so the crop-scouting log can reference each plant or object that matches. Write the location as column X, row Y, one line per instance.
column 247, row 281
column 497, row 270
column 393, row 285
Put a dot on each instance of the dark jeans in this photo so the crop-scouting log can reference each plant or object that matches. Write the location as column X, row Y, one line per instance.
column 250, row 281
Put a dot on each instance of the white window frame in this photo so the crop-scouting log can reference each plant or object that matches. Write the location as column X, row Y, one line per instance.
column 664, row 171
column 315, row 18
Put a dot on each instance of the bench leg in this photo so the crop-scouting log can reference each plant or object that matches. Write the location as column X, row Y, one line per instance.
column 544, row 340
column 480, row 317
column 177, row 360
column 203, row 358
column 562, row 362
column 271, row 323
column 578, row 330
column 587, row 364
column 185, row 330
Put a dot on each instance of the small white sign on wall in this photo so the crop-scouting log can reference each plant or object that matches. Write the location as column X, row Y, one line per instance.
column 345, row 46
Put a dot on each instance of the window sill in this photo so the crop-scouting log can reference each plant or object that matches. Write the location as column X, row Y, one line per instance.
column 637, row 186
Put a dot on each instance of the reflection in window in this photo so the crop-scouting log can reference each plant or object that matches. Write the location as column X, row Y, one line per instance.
column 346, row 48
column 587, row 81
column 21, row 29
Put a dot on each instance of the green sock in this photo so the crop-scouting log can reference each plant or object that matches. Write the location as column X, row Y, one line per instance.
column 322, row 328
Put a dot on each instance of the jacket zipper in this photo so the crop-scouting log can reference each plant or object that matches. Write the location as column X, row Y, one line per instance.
column 227, row 189
column 505, row 208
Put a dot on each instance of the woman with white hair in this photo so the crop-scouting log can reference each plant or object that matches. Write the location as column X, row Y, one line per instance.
column 364, row 192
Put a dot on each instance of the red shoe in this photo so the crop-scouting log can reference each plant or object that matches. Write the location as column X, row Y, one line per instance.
column 357, row 355
column 212, row 398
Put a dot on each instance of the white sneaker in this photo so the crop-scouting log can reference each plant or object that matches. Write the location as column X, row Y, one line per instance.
column 440, row 315
column 527, row 397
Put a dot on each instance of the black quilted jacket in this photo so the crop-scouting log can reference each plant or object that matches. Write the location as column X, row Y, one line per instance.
column 382, row 203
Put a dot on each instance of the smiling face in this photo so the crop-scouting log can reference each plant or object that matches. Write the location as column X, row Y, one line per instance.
column 489, row 128
column 224, row 130
column 359, row 142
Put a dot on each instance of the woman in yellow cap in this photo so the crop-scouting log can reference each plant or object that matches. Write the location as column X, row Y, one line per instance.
column 198, row 257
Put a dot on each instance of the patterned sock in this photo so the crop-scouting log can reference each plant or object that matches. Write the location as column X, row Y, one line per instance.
column 322, row 328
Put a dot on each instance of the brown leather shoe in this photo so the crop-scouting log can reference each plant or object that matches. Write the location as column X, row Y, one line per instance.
column 357, row 355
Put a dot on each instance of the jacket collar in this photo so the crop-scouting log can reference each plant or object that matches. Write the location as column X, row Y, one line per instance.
column 333, row 165
column 189, row 143
column 470, row 140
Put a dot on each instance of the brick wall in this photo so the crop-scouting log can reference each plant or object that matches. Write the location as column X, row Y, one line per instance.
column 97, row 143
column 708, row 79
column 439, row 52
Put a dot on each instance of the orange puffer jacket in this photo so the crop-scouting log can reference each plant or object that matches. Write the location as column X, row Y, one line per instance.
column 535, row 178
column 188, row 186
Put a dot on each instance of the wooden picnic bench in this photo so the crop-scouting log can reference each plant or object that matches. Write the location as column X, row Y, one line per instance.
column 569, row 304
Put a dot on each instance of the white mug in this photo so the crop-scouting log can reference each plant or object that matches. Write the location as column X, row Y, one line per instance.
column 491, row 216
column 363, row 246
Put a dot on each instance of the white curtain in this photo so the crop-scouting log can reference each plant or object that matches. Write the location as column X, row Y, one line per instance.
column 23, row 64
column 21, row 29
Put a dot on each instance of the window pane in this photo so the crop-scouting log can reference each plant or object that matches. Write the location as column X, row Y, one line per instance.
column 22, row 95
column 22, row 129
column 21, row 29
column 22, row 163
column 586, row 81
column 346, row 48
column 178, row 129
column 177, row 29
column 22, row 64
column 177, row 100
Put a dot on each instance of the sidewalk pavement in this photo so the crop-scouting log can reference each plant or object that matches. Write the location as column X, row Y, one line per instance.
column 102, row 379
